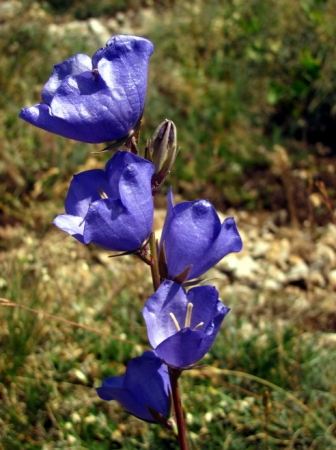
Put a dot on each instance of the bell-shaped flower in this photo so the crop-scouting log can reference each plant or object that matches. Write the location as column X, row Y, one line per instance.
column 113, row 208
column 96, row 100
column 144, row 389
column 193, row 237
column 182, row 326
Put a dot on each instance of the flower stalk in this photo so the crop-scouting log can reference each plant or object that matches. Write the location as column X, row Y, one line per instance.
column 174, row 375
column 154, row 262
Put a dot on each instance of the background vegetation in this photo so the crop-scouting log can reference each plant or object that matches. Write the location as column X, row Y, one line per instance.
column 237, row 77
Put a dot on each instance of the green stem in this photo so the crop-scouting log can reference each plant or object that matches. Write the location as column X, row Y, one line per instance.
column 154, row 262
column 173, row 373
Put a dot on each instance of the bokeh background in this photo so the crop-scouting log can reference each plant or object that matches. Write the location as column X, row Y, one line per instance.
column 251, row 87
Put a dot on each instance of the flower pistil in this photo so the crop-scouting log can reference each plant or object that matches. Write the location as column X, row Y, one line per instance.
column 187, row 321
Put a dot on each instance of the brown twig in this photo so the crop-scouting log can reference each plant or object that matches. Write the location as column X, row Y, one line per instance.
column 325, row 196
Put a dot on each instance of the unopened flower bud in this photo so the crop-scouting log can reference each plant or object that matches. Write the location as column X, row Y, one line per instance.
column 161, row 150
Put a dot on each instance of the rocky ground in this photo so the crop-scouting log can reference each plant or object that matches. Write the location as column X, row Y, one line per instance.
column 290, row 274
column 282, row 274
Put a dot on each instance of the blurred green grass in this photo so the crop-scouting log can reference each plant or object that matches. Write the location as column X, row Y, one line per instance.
column 237, row 77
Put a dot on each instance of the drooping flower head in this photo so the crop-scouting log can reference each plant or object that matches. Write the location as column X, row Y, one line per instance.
column 96, row 100
column 182, row 326
column 113, row 208
column 193, row 236
column 143, row 389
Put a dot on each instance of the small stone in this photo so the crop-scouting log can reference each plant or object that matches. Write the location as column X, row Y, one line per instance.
column 71, row 439
column 272, row 285
column 99, row 30
column 279, row 252
column 229, row 263
column 77, row 375
column 329, row 236
column 242, row 268
column 260, row 249
column 317, row 279
column 325, row 256
column 246, row 268
column 75, row 417
column 298, row 272
column 332, row 279
column 277, row 275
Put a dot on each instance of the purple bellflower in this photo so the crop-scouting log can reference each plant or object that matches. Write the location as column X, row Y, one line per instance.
column 182, row 326
column 144, row 389
column 113, row 208
column 194, row 237
column 96, row 100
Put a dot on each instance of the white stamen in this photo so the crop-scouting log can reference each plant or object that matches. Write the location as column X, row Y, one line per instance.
column 172, row 315
column 199, row 326
column 188, row 315
column 102, row 193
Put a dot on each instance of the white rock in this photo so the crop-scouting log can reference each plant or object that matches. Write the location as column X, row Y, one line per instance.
column 317, row 279
column 260, row 249
column 325, row 256
column 329, row 236
column 276, row 274
column 246, row 268
column 99, row 30
column 279, row 252
column 75, row 27
column 298, row 272
column 229, row 263
column 272, row 285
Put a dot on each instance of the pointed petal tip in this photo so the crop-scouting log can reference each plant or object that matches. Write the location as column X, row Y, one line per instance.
column 229, row 222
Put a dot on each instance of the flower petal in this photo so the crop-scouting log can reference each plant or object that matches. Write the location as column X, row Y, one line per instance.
column 193, row 235
column 136, row 193
column 99, row 106
column 73, row 225
column 110, row 226
column 170, row 297
column 106, row 392
column 72, row 66
column 206, row 308
column 227, row 241
column 146, row 383
column 184, row 348
column 85, row 188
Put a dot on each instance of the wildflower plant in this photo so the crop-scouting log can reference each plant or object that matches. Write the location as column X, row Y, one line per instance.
column 101, row 100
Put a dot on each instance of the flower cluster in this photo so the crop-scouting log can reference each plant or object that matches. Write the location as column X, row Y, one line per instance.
column 101, row 99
